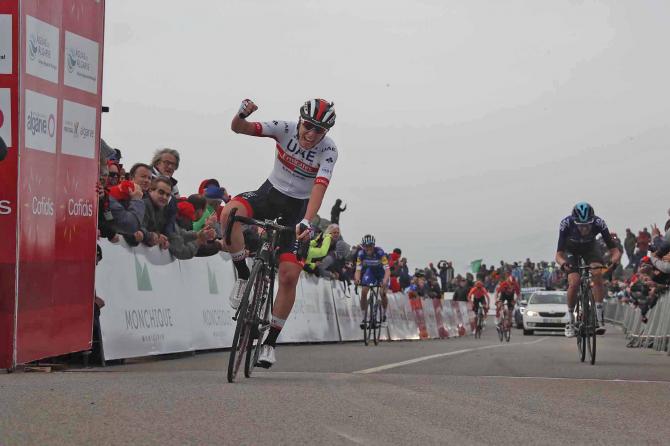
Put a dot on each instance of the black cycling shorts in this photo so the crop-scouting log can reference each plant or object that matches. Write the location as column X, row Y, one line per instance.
column 587, row 251
column 268, row 203
column 509, row 297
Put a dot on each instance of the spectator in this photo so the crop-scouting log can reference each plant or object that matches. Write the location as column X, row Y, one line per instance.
column 335, row 212
column 461, row 291
column 629, row 244
column 157, row 225
column 394, row 266
column 215, row 196
column 320, row 247
column 186, row 244
column 165, row 162
column 127, row 208
column 106, row 227
column 404, row 278
column 140, row 174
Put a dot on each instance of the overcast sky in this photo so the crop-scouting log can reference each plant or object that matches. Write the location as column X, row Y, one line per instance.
column 466, row 129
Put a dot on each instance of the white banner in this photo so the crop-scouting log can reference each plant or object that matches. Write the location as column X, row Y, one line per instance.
column 207, row 283
column 42, row 49
column 5, row 44
column 81, row 62
column 41, row 112
column 145, row 308
column 78, row 130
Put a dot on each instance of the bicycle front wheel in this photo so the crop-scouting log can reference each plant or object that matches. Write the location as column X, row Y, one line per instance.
column 242, row 336
column 508, row 331
column 366, row 323
column 579, row 329
column 378, row 320
column 258, row 309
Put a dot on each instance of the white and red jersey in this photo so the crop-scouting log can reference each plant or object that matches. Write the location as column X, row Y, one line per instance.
column 296, row 170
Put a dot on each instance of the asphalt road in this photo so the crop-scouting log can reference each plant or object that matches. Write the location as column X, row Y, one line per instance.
column 531, row 391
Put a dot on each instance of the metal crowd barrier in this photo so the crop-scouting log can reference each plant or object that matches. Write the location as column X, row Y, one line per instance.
column 654, row 334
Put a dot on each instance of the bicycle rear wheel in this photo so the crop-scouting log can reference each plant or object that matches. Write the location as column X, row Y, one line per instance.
column 591, row 327
column 366, row 323
column 258, row 314
column 242, row 336
column 378, row 320
column 372, row 323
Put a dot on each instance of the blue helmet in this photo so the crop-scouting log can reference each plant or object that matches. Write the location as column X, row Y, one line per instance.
column 368, row 240
column 583, row 213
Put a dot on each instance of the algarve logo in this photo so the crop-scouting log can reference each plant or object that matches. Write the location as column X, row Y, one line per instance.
column 213, row 286
column 32, row 46
column 71, row 60
column 143, row 280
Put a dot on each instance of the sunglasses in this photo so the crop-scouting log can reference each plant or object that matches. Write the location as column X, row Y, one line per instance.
column 309, row 126
column 113, row 174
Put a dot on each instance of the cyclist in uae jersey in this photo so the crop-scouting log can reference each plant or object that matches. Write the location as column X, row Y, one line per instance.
column 304, row 160
column 372, row 269
column 577, row 238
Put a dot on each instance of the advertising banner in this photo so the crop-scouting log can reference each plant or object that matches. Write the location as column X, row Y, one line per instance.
column 9, row 66
column 61, row 45
column 442, row 330
column 206, row 284
column 349, row 314
column 145, row 310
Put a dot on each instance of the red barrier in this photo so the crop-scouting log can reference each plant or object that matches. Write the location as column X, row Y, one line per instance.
column 417, row 307
column 60, row 45
column 9, row 66
column 442, row 330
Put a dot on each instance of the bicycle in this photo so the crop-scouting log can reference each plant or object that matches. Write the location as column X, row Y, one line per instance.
column 372, row 328
column 505, row 329
column 585, row 322
column 255, row 310
column 479, row 322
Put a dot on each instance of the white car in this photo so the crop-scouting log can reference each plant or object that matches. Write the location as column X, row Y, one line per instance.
column 546, row 311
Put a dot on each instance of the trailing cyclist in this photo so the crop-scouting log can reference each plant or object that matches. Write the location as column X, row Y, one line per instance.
column 372, row 269
column 577, row 239
column 304, row 162
column 505, row 292
column 479, row 298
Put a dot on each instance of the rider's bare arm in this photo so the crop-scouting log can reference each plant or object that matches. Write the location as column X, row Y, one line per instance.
column 240, row 124
column 315, row 200
column 615, row 255
column 560, row 258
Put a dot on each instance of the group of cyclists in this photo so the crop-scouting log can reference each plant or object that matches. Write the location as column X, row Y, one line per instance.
column 305, row 157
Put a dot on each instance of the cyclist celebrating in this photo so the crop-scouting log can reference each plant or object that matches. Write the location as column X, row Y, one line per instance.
column 304, row 162
column 479, row 297
column 577, row 239
column 505, row 293
column 373, row 266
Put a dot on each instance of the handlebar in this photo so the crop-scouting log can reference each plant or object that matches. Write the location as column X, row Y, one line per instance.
column 266, row 224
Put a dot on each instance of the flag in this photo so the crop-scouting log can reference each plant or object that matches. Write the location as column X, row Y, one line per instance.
column 474, row 266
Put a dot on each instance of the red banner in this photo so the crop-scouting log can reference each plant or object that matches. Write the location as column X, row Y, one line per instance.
column 9, row 66
column 61, row 46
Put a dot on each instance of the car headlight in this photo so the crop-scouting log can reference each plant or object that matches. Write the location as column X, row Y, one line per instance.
column 522, row 310
column 532, row 313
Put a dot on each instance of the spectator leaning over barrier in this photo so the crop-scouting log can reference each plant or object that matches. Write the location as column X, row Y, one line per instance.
column 461, row 291
column 157, row 225
column 165, row 162
column 404, row 278
column 127, row 207
column 113, row 173
column 140, row 174
column 184, row 243
column 331, row 266
column 215, row 196
column 394, row 266
column 320, row 247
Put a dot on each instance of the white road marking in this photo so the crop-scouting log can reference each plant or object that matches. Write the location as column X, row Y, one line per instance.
column 346, row 436
column 562, row 378
column 439, row 355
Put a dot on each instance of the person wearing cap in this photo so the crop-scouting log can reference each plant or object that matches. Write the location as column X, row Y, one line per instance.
column 185, row 243
column 215, row 196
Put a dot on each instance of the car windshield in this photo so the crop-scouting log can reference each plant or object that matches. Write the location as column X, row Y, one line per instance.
column 547, row 299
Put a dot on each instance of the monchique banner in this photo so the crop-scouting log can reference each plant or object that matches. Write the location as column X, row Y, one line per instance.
column 61, row 52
